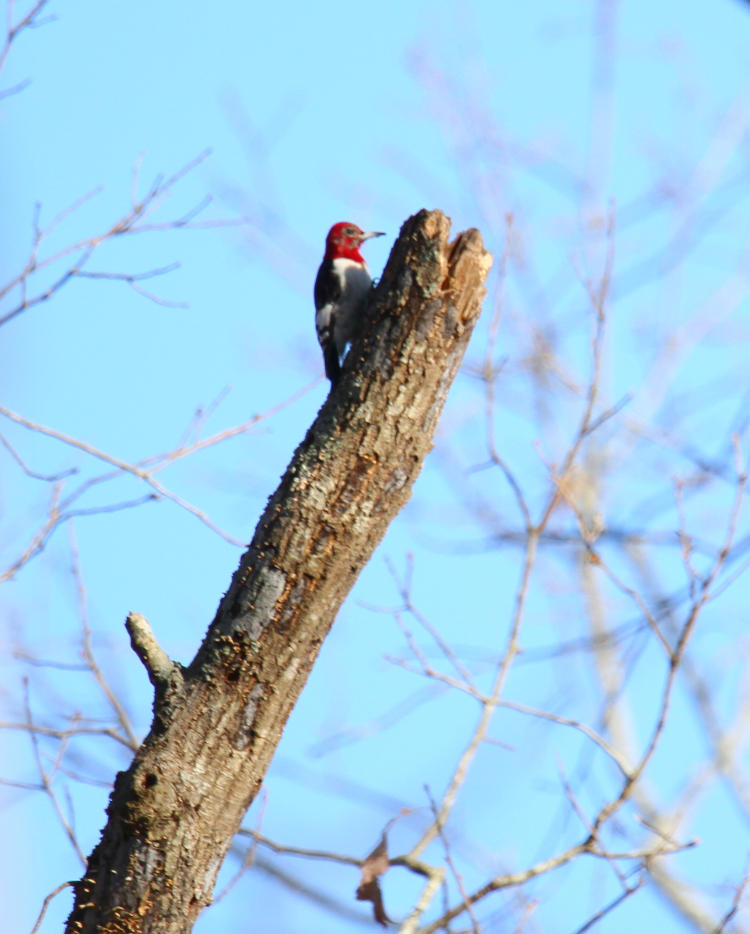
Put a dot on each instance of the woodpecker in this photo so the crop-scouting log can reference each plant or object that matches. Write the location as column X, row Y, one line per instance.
column 341, row 288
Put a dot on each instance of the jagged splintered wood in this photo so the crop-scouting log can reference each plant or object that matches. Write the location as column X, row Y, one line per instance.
column 172, row 815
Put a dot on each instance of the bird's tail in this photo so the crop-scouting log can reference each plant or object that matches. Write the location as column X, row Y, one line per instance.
column 332, row 365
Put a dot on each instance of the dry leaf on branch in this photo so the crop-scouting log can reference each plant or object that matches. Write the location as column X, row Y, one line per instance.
column 369, row 888
column 375, row 865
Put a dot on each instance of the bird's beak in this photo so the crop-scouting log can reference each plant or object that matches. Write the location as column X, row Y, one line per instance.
column 373, row 233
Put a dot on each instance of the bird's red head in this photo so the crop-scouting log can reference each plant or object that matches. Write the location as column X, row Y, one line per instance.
column 345, row 239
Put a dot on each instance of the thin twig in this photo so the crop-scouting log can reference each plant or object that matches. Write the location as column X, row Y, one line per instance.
column 46, row 902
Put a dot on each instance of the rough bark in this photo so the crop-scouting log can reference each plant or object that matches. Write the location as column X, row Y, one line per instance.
column 216, row 724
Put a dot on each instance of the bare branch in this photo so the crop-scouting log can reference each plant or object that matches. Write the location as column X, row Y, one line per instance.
column 47, row 777
column 300, row 851
column 130, row 223
column 46, row 902
column 121, row 465
column 88, row 651
column 31, row 20
column 594, row 919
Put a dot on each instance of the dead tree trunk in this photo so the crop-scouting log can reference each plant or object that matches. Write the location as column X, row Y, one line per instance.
column 173, row 813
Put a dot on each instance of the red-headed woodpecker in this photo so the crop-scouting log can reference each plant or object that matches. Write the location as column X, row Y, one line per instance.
column 341, row 288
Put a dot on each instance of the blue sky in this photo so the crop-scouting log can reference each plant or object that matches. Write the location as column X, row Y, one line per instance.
column 320, row 113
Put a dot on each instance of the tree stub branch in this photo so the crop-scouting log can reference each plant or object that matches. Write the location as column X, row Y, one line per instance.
column 173, row 813
column 158, row 664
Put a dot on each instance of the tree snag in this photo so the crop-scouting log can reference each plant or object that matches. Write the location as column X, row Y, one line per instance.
column 172, row 815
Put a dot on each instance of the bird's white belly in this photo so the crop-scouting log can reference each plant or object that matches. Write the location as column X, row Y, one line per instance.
column 355, row 284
